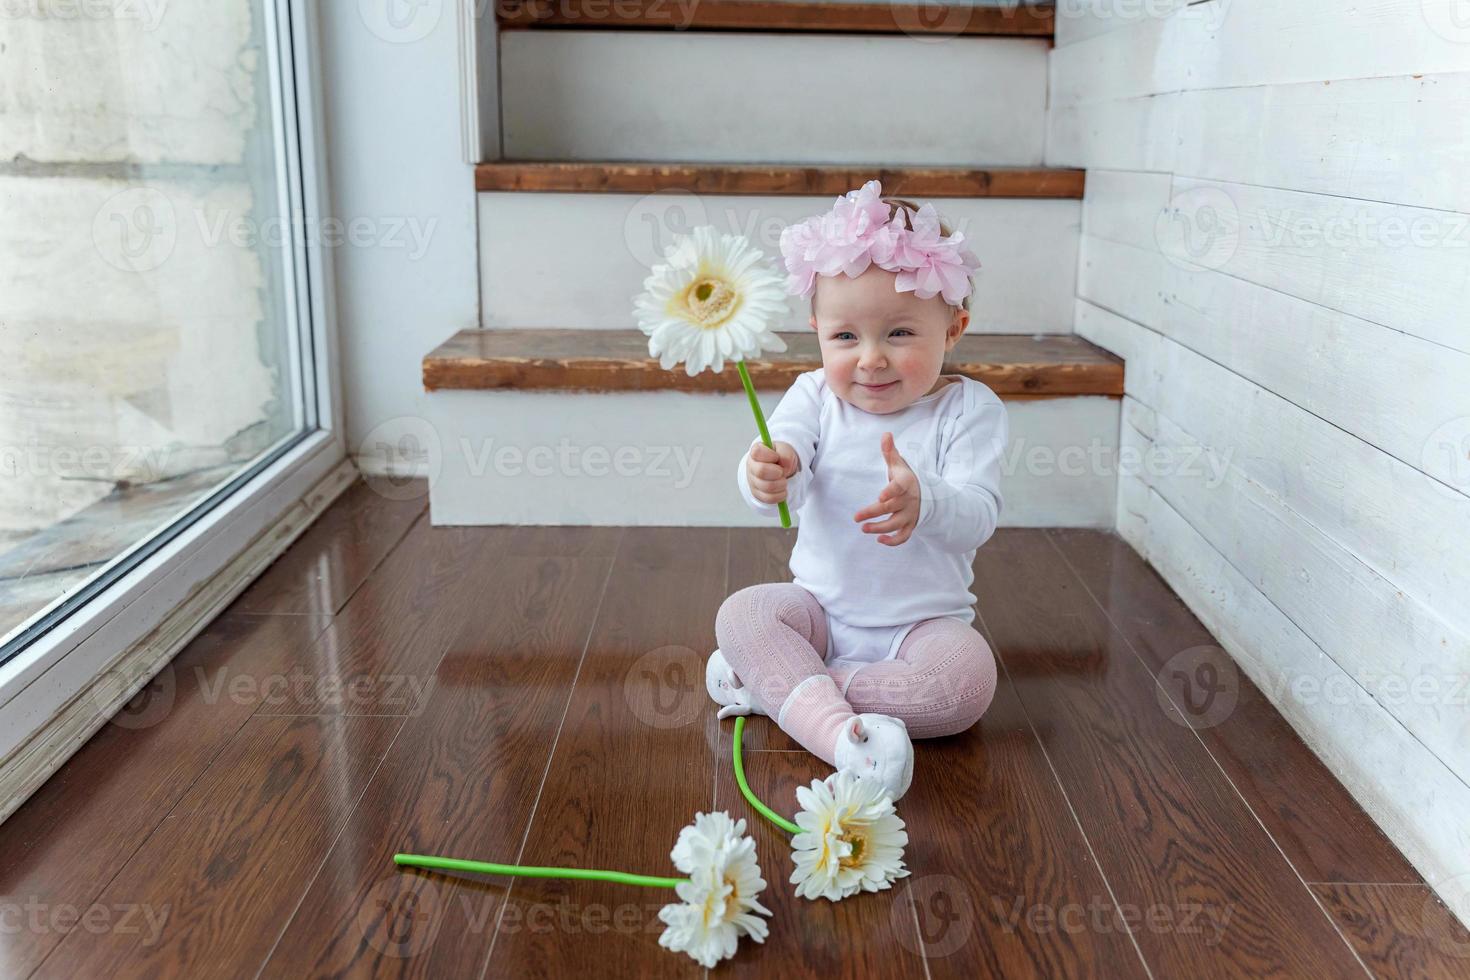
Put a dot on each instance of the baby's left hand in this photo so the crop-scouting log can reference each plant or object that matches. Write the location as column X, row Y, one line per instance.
column 899, row 499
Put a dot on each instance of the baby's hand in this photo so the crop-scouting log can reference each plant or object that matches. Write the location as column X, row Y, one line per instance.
column 768, row 469
column 899, row 499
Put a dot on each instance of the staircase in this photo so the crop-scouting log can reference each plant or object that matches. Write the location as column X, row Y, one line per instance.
column 553, row 413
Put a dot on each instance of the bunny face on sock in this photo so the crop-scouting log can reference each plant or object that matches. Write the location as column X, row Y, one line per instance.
column 878, row 746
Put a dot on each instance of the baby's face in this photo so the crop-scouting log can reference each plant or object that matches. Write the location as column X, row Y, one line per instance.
column 882, row 349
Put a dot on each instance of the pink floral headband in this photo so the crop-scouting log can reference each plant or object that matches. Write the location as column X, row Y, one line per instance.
column 858, row 231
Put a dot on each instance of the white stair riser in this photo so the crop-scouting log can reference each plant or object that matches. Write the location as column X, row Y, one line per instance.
column 576, row 260
column 773, row 98
column 669, row 458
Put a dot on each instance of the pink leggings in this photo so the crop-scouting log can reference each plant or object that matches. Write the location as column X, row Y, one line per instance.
column 940, row 682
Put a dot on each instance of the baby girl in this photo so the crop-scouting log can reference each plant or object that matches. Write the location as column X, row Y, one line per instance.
column 893, row 469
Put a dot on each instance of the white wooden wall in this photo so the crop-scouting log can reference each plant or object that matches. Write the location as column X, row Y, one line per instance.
column 1276, row 236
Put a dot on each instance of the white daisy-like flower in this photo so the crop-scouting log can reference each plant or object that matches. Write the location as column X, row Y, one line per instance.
column 851, row 838
column 716, row 297
column 720, row 899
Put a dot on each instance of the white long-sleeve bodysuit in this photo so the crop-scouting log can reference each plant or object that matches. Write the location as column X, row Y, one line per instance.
column 874, row 593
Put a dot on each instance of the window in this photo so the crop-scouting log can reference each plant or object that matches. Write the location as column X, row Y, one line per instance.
column 156, row 341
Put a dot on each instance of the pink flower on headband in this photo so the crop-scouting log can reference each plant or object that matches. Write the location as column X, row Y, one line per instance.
column 857, row 232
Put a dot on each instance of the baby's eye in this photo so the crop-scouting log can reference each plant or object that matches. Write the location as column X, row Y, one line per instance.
column 903, row 330
column 843, row 335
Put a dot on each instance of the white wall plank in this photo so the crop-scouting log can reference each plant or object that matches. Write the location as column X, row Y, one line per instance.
column 1219, row 44
column 1402, row 139
column 1128, row 134
column 1360, row 376
column 1399, row 650
column 1408, row 527
column 1408, row 790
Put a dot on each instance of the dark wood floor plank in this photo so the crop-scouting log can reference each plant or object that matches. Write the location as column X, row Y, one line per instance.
column 1189, row 864
column 1400, row 930
column 633, row 764
column 241, row 846
column 379, row 654
column 64, row 844
column 461, row 779
column 1004, row 882
column 1320, row 827
column 323, row 567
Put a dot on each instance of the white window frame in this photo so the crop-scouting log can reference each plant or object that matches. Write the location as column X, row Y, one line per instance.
column 60, row 671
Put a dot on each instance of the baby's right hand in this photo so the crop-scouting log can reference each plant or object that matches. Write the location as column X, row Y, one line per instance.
column 768, row 469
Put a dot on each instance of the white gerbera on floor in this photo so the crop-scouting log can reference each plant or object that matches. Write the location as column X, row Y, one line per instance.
column 851, row 838
column 715, row 297
column 720, row 899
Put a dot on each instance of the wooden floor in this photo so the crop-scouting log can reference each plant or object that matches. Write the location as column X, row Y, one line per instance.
column 535, row 695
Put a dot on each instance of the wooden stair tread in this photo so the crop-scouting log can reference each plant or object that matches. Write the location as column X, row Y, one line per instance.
column 1012, row 365
column 638, row 177
column 1029, row 20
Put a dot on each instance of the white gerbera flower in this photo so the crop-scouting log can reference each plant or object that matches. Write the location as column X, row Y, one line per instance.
column 852, row 838
column 721, row 897
column 715, row 297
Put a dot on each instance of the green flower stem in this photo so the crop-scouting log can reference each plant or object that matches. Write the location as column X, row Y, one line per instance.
column 764, row 810
column 760, row 421
column 519, row 871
